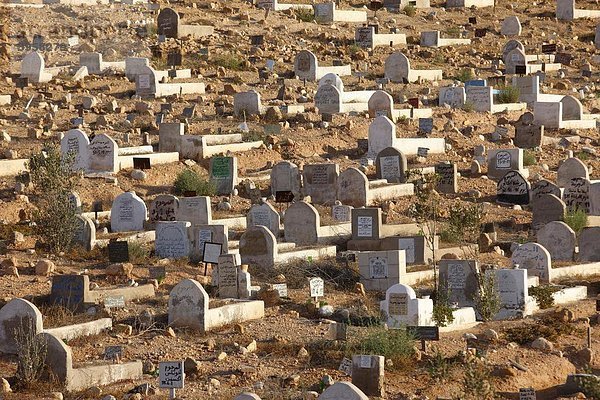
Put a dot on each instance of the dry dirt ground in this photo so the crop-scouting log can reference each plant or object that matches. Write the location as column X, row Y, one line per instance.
column 283, row 332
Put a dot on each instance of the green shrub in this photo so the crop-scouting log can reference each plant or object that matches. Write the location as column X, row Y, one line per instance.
column 543, row 295
column 487, row 299
column 549, row 327
column 353, row 49
column 438, row 366
column 304, row 14
column 190, row 181
column 468, row 106
column 529, row 158
column 453, row 31
column 508, row 94
column 395, row 344
column 138, row 254
column 477, row 382
column 465, row 75
column 576, row 219
column 229, row 61
column 410, row 10
column 442, row 312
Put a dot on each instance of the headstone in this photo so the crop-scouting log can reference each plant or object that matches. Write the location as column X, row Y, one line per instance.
column 341, row 213
column 572, row 110
column 223, row 173
column 391, row 164
column 548, row 208
column 75, row 143
column 32, row 67
column 342, row 390
column 196, row 210
column 164, row 207
column 247, row 103
column 589, row 245
column 305, row 65
column 397, row 67
column 542, row 187
column 576, row 195
column 559, row 239
column 301, row 224
column 366, row 223
column 285, row 177
column 571, row 168
column 514, row 59
column 402, row 307
column 70, row 290
column 18, row 314
column 368, row 374
column 146, row 82
column 535, row 259
column 103, row 152
column 480, row 97
column 328, row 99
column 459, row 280
column 168, row 23
column 209, row 233
column 172, row 240
column 513, row 188
column 511, row 285
column 258, row 246
column 455, row 97
column 380, row 104
column 85, row 232
column 266, row 215
column 381, row 269
column 128, row 213
column 320, row 182
column 382, row 134
column 353, row 186
column 500, row 161
column 169, row 136
column 510, row 46
column 227, row 270
column 527, row 134
column 447, row 178
column 511, row 26
column 316, row 286
column 188, row 305
column 363, row 36
column 171, row 374
column 417, row 248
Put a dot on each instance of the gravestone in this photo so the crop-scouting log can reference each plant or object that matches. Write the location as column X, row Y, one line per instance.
column 417, row 248
column 535, row 259
column 571, row 168
column 459, row 280
column 168, row 23
column 381, row 269
column 18, row 314
column 515, row 58
column 164, row 207
column 223, row 174
column 172, row 240
column 212, row 233
column 363, row 36
column 368, row 374
column 169, row 136
column 589, row 245
column 403, row 308
column 527, row 134
column 285, row 177
column 227, row 270
column 366, row 223
column 572, row 110
column 391, row 164
column 511, row 286
column 559, row 239
column 542, row 187
column 513, row 188
column 353, row 186
column 341, row 213
column 85, row 232
column 70, row 291
column 188, row 305
column 305, row 65
column 266, row 215
column 258, row 246
column 382, row 134
column 103, row 153
column 332, row 79
column 594, row 195
column 301, row 224
column 548, row 208
column 128, row 213
column 247, row 103
column 397, row 67
column 510, row 46
column 342, row 390
column 328, row 99
column 500, row 161
column 32, row 67
column 576, row 195
column 480, row 97
column 75, row 143
column 146, row 82
column 247, row 395
column 196, row 210
column 447, row 178
column 454, row 96
column 320, row 182
column 511, row 26
column 380, row 104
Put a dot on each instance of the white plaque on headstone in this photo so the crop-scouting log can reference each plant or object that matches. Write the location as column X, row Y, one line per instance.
column 317, row 287
column 365, row 227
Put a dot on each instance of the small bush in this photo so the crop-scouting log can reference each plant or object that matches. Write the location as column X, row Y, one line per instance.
column 354, row 49
column 487, row 299
column 543, row 295
column 442, row 312
column 31, row 353
column 229, row 61
column 590, row 386
column 304, row 14
column 190, row 181
column 508, row 94
column 410, row 10
column 549, row 327
column 465, row 75
column 576, row 219
column 138, row 254
column 151, row 29
column 438, row 367
column 453, row 31
column 477, row 382
column 395, row 344
column 468, row 106
column 529, row 158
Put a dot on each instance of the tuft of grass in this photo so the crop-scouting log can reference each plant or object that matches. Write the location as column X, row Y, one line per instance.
column 529, row 158
column 576, row 219
column 508, row 94
column 410, row 10
column 438, row 367
column 453, row 31
column 138, row 254
column 394, row 344
column 354, row 49
column 189, row 180
column 304, row 14
column 229, row 61
column 468, row 106
column 549, row 327
column 465, row 75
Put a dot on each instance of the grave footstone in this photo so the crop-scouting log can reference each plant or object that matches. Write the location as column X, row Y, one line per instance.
column 548, row 208
column 85, row 232
column 576, row 195
column 196, row 210
column 266, row 215
column 381, row 269
column 527, row 134
column 366, row 223
column 103, row 153
column 75, row 144
column 168, row 23
column 382, row 134
column 320, row 182
column 571, row 168
column 285, row 177
column 368, row 374
column 164, row 207
column 511, row 26
column 70, row 290
column 258, row 246
column 542, row 187
column 17, row 314
column 227, row 270
column 511, row 285
column 353, row 186
column 589, row 245
column 343, row 390
column 500, row 161
column 447, row 178
column 403, row 308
